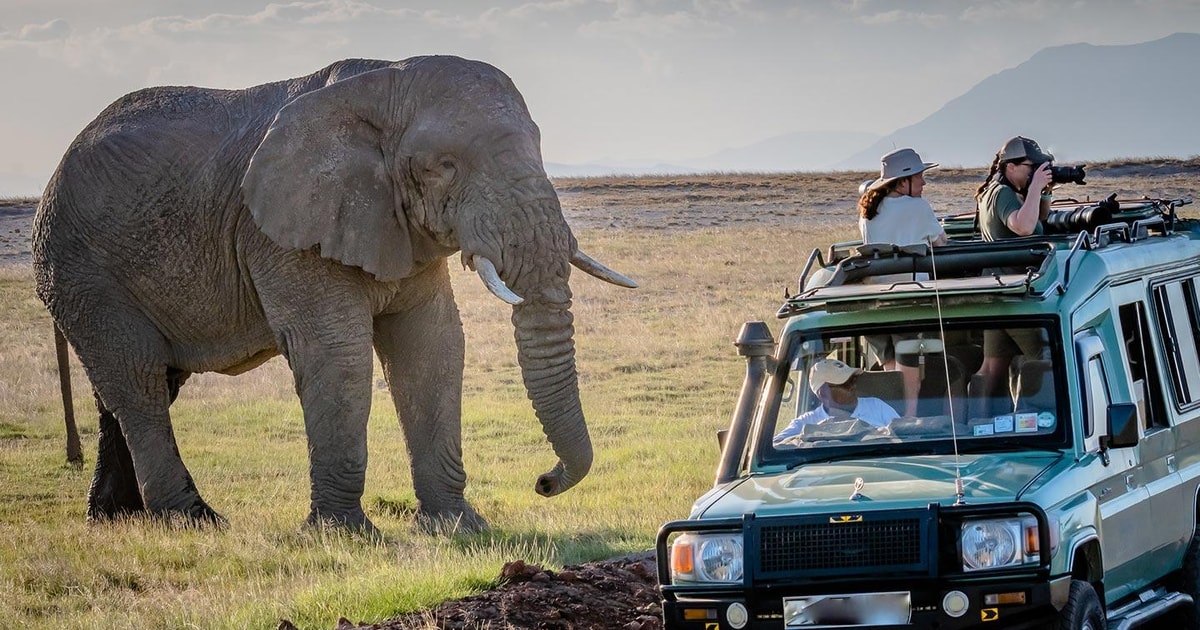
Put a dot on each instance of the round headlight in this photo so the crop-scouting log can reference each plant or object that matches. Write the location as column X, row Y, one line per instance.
column 989, row 544
column 720, row 559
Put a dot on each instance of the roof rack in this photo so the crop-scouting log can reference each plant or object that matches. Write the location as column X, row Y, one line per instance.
column 1014, row 266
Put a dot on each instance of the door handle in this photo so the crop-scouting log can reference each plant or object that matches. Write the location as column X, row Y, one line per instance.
column 1171, row 467
column 1130, row 482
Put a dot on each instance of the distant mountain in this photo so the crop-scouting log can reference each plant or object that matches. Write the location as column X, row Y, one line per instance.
column 1080, row 102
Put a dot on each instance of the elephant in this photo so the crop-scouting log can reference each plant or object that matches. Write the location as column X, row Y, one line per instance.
column 191, row 230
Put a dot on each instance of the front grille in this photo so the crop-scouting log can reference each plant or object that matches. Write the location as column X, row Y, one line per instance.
column 868, row 546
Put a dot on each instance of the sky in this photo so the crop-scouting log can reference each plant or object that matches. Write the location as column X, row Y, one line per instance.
column 606, row 80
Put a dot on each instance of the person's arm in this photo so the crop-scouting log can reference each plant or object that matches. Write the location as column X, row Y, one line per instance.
column 1025, row 220
column 794, row 427
column 938, row 234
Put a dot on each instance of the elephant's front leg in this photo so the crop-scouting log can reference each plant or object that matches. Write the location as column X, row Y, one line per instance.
column 421, row 350
column 331, row 361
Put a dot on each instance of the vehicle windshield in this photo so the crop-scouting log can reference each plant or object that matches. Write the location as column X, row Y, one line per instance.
column 917, row 389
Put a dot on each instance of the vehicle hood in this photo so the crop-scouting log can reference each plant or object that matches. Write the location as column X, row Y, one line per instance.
column 887, row 483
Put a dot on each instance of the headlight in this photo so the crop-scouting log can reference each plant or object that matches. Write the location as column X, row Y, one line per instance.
column 707, row 558
column 999, row 543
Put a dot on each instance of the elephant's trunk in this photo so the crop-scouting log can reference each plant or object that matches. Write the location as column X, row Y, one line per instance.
column 546, row 353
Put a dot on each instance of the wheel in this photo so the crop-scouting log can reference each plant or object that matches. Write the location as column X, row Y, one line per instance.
column 1083, row 610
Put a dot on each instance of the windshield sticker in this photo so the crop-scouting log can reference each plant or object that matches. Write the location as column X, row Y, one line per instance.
column 1027, row 422
column 1003, row 424
column 983, row 429
column 1045, row 420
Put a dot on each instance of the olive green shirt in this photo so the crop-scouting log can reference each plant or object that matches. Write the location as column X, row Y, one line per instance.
column 997, row 203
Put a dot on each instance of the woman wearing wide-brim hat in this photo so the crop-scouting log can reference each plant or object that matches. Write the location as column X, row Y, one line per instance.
column 891, row 210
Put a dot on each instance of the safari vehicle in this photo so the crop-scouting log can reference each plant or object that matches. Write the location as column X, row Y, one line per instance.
column 1064, row 497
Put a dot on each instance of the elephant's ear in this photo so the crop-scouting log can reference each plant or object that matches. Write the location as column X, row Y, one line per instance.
column 320, row 177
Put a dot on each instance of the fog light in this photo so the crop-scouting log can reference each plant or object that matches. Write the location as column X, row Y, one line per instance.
column 737, row 615
column 955, row 603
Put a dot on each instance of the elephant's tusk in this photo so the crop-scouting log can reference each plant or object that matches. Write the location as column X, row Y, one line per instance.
column 491, row 279
column 594, row 268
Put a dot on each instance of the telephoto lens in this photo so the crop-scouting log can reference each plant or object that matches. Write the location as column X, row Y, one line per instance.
column 1078, row 219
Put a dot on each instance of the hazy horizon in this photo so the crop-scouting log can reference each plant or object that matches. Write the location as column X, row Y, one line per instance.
column 606, row 80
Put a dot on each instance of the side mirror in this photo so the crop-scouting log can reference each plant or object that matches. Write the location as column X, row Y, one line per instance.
column 1122, row 425
column 721, row 435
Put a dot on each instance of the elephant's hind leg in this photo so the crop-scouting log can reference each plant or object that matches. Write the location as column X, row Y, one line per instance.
column 114, row 490
column 126, row 360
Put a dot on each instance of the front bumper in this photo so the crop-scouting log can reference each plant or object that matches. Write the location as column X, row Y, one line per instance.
column 687, row 608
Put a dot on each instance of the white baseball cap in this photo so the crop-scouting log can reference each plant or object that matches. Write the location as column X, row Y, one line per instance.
column 830, row 371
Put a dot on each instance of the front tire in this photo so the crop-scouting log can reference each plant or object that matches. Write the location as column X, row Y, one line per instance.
column 1083, row 610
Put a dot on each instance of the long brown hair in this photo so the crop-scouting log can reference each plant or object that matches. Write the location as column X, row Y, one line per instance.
column 991, row 173
column 868, row 204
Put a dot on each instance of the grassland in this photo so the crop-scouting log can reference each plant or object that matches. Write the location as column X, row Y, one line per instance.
column 658, row 376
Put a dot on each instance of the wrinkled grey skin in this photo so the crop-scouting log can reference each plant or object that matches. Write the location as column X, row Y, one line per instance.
column 196, row 230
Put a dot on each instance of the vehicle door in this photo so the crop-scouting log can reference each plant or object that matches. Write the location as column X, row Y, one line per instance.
column 1120, row 486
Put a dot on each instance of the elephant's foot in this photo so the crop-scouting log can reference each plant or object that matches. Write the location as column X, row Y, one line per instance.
column 355, row 521
column 450, row 522
column 198, row 514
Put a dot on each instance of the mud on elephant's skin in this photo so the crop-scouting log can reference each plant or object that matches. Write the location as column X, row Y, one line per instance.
column 194, row 230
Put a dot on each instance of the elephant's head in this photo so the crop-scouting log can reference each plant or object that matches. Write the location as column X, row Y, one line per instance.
column 392, row 168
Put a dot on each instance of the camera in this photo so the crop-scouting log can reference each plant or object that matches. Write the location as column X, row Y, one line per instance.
column 1066, row 174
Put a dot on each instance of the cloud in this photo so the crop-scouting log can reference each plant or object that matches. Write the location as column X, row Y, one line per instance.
column 1008, row 10
column 631, row 18
column 54, row 29
column 895, row 16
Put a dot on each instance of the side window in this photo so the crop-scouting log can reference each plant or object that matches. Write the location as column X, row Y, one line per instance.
column 1143, row 369
column 1096, row 402
column 1177, row 307
column 1094, row 388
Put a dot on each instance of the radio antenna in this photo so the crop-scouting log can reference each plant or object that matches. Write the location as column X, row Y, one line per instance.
column 937, row 298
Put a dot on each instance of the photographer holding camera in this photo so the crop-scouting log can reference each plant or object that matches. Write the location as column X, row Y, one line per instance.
column 1015, row 198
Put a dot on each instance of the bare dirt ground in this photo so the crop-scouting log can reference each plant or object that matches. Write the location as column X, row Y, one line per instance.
column 622, row 593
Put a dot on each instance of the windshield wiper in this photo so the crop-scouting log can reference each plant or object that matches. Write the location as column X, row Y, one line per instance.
column 1016, row 444
column 857, row 453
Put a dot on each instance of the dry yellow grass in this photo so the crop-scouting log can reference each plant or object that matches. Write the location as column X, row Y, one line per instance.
column 658, row 373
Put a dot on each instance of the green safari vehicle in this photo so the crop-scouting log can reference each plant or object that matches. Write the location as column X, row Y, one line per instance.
column 1037, row 462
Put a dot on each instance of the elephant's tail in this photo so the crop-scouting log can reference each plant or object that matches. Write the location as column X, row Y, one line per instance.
column 74, row 450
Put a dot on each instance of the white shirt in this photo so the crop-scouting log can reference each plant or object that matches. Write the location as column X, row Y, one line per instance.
column 873, row 411
column 902, row 220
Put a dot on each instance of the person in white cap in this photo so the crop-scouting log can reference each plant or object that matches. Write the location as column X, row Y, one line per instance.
column 892, row 210
column 834, row 384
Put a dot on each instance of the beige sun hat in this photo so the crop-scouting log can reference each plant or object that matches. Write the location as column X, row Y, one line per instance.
column 829, row 371
column 898, row 164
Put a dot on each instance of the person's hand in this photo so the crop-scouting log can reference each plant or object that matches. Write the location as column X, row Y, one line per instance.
column 1040, row 178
